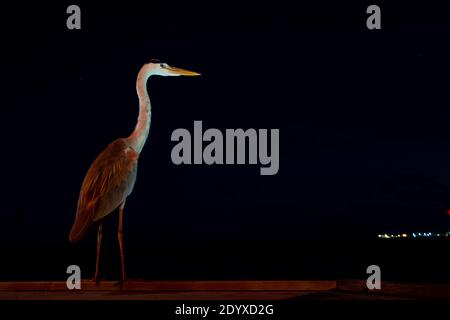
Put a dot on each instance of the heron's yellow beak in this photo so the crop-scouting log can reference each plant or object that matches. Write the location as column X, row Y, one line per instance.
column 182, row 72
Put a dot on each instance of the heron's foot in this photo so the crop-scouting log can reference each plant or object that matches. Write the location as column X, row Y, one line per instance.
column 96, row 280
column 120, row 282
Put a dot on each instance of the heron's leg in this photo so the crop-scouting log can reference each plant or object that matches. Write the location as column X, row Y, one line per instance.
column 120, row 236
column 99, row 242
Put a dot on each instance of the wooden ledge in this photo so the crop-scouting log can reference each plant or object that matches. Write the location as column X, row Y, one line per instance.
column 221, row 290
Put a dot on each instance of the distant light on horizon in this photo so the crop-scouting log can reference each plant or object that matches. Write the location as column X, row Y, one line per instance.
column 413, row 235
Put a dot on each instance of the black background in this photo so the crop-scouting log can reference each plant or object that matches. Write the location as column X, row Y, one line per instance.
column 364, row 142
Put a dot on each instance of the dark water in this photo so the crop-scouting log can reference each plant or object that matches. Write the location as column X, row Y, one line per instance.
column 400, row 260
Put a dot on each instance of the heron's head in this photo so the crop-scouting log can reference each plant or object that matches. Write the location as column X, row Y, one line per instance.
column 156, row 67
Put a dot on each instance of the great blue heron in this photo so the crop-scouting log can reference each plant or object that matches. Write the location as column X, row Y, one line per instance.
column 111, row 177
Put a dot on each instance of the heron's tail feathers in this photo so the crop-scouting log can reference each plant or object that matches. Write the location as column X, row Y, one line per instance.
column 83, row 220
column 76, row 234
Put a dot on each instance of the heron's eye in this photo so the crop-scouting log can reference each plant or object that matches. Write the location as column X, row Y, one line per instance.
column 162, row 65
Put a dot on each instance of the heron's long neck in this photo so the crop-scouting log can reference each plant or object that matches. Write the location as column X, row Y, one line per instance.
column 139, row 136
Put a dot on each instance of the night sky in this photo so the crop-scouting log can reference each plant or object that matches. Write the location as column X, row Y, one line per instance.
column 364, row 118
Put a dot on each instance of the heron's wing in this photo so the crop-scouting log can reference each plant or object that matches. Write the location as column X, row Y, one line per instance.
column 108, row 182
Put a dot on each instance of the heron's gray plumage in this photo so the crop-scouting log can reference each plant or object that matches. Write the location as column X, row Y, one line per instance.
column 108, row 182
